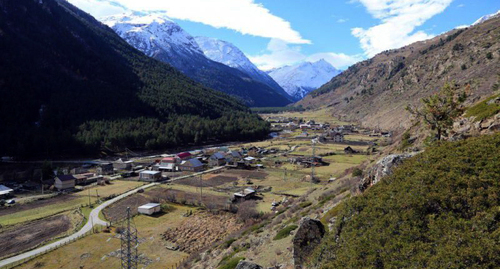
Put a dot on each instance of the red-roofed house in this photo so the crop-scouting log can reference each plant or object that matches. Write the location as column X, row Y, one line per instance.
column 184, row 155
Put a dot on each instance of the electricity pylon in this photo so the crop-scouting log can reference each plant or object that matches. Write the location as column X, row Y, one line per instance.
column 129, row 244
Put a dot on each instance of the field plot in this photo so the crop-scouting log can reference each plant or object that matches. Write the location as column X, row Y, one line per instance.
column 202, row 230
column 101, row 250
column 161, row 194
column 114, row 188
column 23, row 237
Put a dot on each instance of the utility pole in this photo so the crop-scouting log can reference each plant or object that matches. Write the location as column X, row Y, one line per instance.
column 312, row 159
column 129, row 245
column 201, row 189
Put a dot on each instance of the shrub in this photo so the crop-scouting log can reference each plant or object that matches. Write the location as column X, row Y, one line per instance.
column 483, row 110
column 489, row 55
column 231, row 263
column 285, row 232
column 228, row 243
column 305, row 204
column 357, row 172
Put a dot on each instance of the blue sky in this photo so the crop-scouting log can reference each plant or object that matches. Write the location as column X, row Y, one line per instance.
column 274, row 33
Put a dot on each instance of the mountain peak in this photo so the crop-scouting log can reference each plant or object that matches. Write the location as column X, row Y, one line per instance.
column 300, row 79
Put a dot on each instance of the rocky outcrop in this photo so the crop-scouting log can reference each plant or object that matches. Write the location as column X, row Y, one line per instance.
column 467, row 127
column 248, row 265
column 307, row 237
column 383, row 168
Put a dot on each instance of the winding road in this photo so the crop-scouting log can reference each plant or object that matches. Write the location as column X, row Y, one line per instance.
column 93, row 221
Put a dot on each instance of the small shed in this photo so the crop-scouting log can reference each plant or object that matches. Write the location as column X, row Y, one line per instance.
column 250, row 160
column 65, row 182
column 151, row 176
column 149, row 209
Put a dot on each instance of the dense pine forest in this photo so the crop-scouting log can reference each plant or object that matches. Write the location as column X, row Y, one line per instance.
column 69, row 84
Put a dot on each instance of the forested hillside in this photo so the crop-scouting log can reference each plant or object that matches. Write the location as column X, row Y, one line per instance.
column 68, row 83
column 440, row 209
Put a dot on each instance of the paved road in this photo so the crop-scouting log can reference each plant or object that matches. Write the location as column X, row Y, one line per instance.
column 93, row 220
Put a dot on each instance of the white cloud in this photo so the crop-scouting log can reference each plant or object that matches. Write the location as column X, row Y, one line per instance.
column 243, row 16
column 279, row 54
column 342, row 20
column 399, row 20
column 99, row 8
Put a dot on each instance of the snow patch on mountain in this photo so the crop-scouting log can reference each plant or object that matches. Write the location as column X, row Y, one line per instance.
column 486, row 17
column 300, row 79
column 228, row 54
column 152, row 32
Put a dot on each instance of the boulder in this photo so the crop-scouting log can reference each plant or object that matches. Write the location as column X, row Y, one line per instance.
column 383, row 168
column 248, row 265
column 307, row 237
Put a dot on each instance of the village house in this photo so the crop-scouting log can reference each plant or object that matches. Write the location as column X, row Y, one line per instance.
column 184, row 156
column 81, row 179
column 192, row 165
column 65, row 182
column 167, row 164
column 233, row 157
column 123, row 165
column 349, row 150
column 150, row 176
column 217, row 159
column 246, row 194
column 105, row 169
column 336, row 137
column 5, row 192
column 79, row 170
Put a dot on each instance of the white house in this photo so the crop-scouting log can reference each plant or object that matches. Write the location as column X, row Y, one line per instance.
column 149, row 209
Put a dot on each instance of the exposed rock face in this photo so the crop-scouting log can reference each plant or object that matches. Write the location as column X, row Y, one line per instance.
column 248, row 265
column 375, row 92
column 383, row 168
column 307, row 237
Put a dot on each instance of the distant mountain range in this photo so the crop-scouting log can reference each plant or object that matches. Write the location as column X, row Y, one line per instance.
column 161, row 38
column 300, row 79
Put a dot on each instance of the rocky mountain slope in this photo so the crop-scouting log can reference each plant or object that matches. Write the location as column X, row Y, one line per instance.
column 300, row 79
column 375, row 92
column 69, row 84
column 226, row 53
column 161, row 38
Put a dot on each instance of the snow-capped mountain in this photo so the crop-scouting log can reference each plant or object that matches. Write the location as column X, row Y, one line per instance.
column 300, row 79
column 230, row 55
column 159, row 37
column 486, row 17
